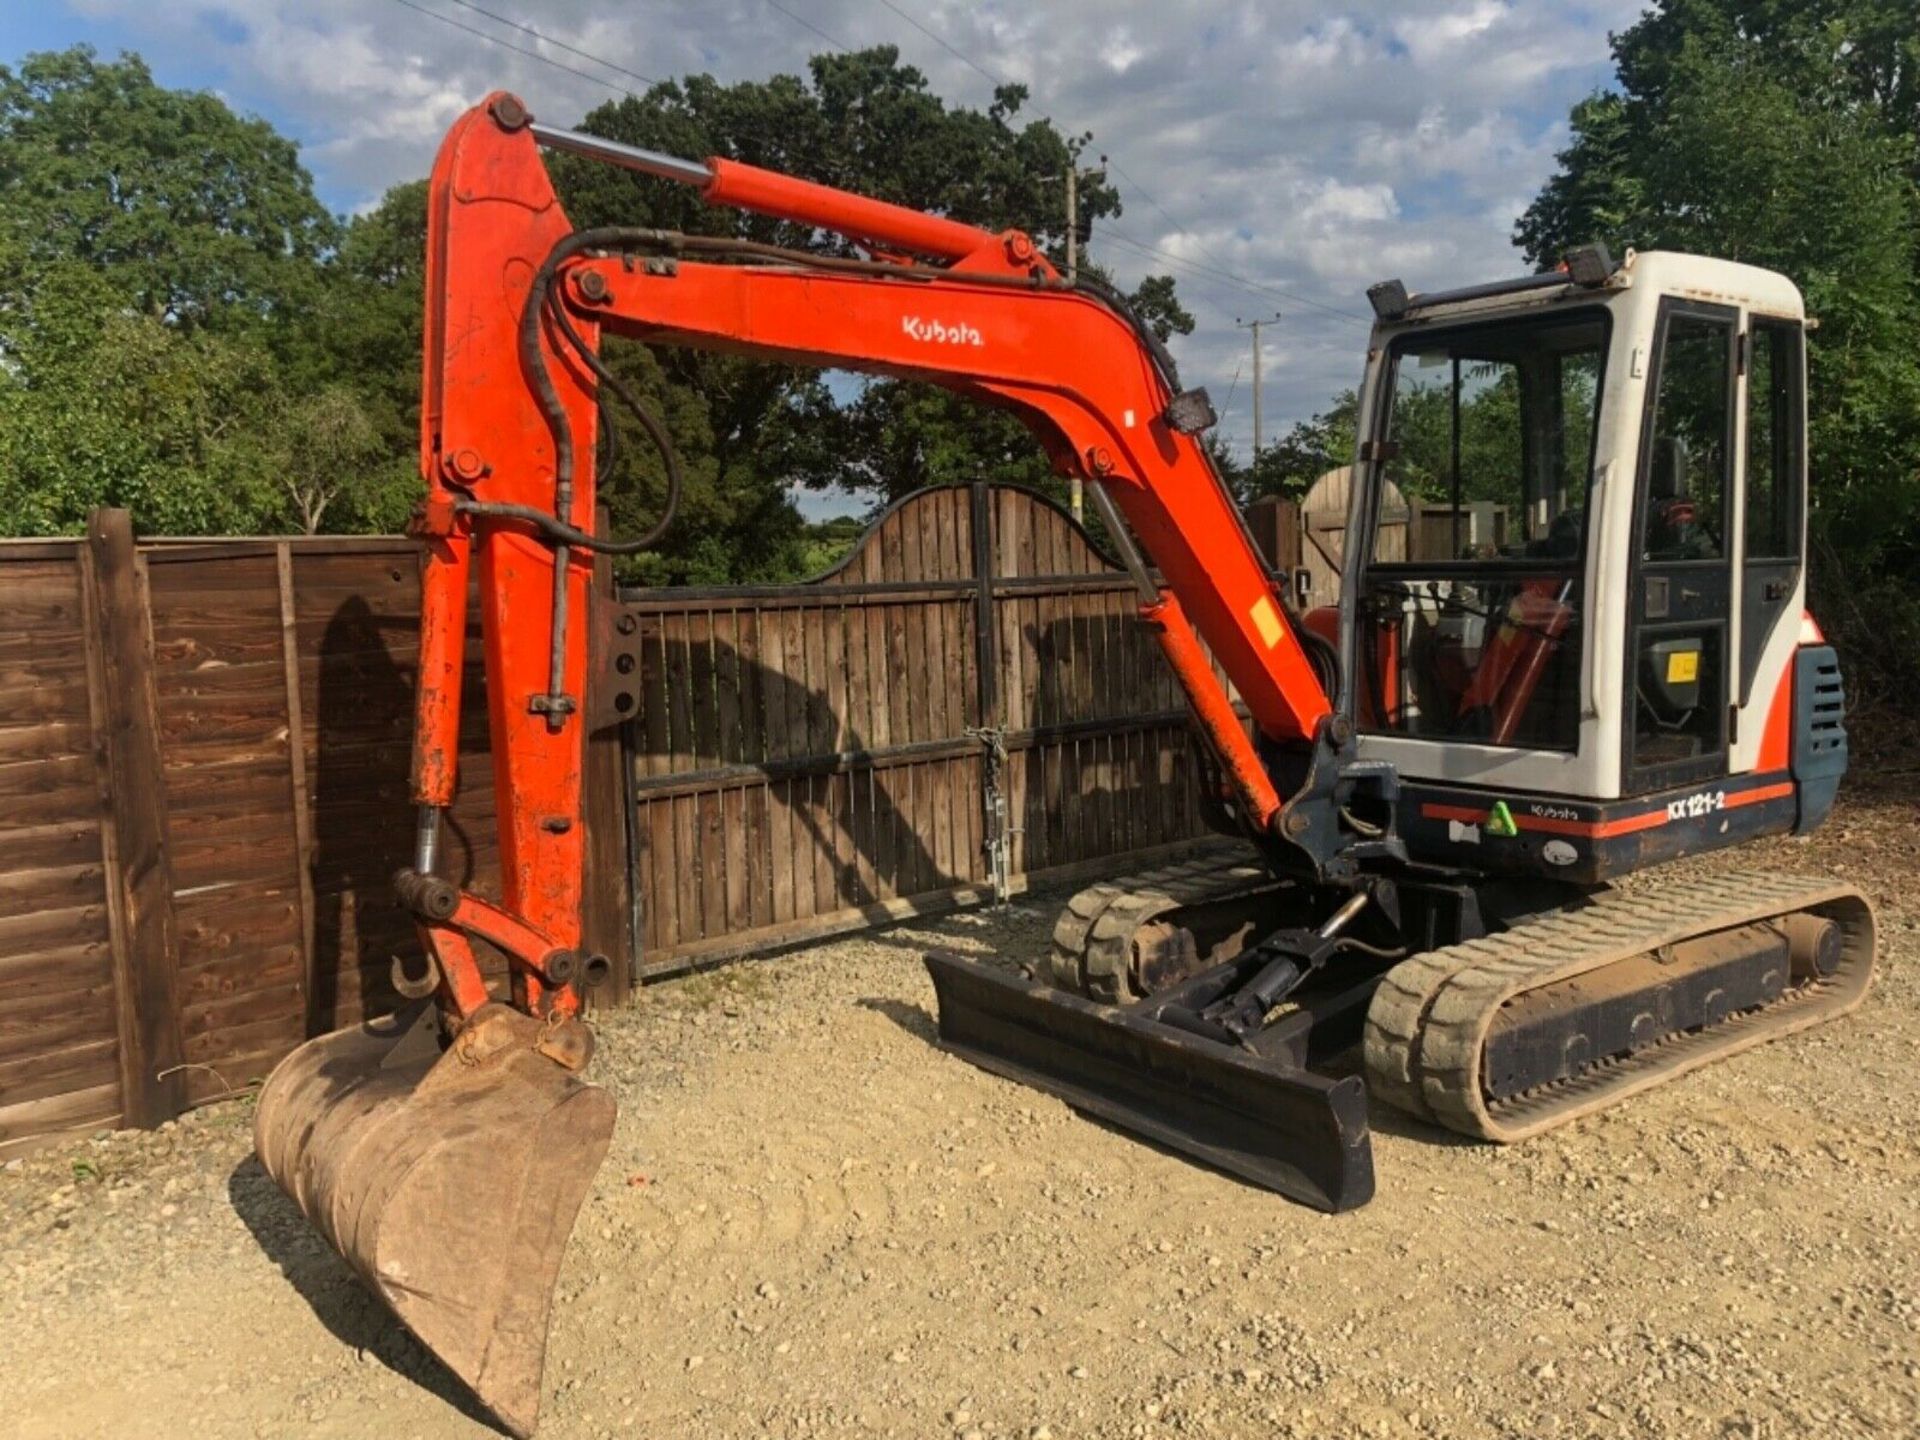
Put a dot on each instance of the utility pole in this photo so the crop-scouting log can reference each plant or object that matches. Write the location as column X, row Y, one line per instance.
column 1254, row 325
column 1073, row 223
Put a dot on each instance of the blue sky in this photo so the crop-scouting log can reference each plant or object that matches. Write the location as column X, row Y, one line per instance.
column 1277, row 156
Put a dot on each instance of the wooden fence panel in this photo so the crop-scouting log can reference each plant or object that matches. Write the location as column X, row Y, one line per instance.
column 823, row 746
column 357, row 615
column 168, row 932
column 59, row 1042
column 227, row 744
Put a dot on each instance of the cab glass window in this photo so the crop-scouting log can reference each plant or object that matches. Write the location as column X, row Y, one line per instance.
column 1684, row 517
column 1773, row 441
column 1470, row 624
column 1489, row 442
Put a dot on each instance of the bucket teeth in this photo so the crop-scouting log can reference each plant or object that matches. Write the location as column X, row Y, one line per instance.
column 449, row 1184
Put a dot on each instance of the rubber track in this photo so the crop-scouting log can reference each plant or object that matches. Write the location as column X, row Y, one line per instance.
column 1428, row 1022
column 1092, row 950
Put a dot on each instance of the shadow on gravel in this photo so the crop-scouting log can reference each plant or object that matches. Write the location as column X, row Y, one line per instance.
column 910, row 1018
column 1385, row 1119
column 327, row 1283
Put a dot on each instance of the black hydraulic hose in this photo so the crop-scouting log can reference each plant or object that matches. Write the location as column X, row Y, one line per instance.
column 557, row 531
column 541, row 302
column 1324, row 655
column 651, row 423
column 638, row 238
column 1121, row 306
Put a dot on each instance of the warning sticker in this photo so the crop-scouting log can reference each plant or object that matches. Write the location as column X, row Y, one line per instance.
column 1266, row 620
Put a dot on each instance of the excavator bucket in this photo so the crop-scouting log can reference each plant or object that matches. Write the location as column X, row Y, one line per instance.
column 1274, row 1123
column 448, row 1180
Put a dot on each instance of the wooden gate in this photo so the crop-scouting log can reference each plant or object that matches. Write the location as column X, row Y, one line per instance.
column 1323, row 531
column 967, row 691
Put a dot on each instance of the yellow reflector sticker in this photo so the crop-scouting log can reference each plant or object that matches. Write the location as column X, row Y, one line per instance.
column 1266, row 620
column 1683, row 667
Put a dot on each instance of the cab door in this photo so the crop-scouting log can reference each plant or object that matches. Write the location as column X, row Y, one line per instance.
column 1681, row 607
column 1774, row 500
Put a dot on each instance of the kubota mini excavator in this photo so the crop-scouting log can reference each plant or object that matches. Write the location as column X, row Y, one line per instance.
column 1570, row 644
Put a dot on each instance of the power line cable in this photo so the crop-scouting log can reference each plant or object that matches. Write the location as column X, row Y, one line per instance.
column 806, row 24
column 1226, row 410
column 1167, row 214
column 953, row 50
column 1251, row 286
column 1219, row 267
column 557, row 44
column 1194, row 266
column 617, row 89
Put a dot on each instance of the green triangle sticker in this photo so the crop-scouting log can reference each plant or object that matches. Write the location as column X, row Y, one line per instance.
column 1500, row 821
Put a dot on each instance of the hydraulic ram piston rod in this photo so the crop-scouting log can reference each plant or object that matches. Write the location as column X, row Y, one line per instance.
column 628, row 157
column 728, row 182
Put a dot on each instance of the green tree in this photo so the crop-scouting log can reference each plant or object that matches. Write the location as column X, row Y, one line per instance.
column 194, row 214
column 334, row 465
column 125, row 409
column 184, row 329
column 1290, row 465
column 366, row 326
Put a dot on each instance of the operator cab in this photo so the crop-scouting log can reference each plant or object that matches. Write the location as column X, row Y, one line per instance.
column 1579, row 585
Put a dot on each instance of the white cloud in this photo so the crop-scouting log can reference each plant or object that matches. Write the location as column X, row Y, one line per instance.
column 1305, row 152
column 1433, row 37
column 1120, row 51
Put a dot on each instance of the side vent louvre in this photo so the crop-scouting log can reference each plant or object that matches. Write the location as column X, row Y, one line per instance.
column 1826, row 731
column 1819, row 732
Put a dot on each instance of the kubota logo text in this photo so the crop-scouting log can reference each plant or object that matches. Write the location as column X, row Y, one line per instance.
column 933, row 332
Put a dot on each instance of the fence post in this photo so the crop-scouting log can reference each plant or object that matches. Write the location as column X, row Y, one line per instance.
column 297, row 779
column 133, row 823
column 1275, row 523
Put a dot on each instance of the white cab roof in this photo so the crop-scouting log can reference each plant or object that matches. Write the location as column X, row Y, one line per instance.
column 1720, row 282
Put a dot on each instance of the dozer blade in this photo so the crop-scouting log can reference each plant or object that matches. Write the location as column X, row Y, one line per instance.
column 1281, row 1127
column 449, row 1181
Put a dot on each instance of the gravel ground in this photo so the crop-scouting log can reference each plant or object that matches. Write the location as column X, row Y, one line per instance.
column 814, row 1222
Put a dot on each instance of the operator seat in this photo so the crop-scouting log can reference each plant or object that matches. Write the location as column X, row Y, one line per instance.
column 1671, row 533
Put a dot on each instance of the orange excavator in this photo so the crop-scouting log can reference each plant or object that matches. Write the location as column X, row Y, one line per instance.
column 1571, row 644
